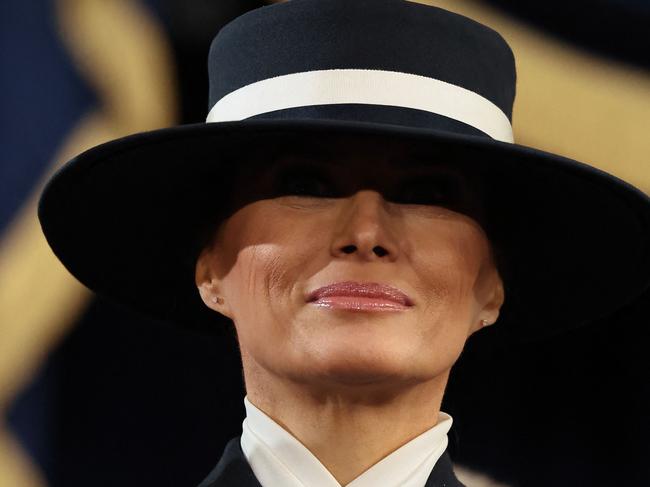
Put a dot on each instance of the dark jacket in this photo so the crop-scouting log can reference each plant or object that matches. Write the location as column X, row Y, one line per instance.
column 233, row 470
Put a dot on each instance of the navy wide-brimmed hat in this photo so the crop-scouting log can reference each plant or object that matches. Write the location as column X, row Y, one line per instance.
column 126, row 217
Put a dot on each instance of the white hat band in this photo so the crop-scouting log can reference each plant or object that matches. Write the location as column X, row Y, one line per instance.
column 365, row 86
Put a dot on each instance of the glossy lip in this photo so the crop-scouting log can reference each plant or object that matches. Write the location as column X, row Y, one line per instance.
column 373, row 296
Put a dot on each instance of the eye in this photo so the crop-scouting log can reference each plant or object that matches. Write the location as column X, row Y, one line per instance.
column 304, row 181
column 427, row 190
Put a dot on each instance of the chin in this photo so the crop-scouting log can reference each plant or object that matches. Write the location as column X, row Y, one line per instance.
column 364, row 385
column 369, row 370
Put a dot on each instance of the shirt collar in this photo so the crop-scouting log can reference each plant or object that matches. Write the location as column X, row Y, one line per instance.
column 278, row 458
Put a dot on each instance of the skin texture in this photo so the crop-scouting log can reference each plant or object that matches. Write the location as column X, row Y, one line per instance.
column 366, row 382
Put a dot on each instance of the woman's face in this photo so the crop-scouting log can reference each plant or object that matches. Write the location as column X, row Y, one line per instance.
column 351, row 211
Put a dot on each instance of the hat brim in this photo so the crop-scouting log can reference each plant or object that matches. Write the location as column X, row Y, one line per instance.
column 123, row 219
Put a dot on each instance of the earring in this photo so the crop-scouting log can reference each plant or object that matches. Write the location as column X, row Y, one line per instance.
column 484, row 323
column 216, row 299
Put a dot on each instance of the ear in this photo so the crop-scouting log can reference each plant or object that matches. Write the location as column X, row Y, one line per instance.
column 489, row 314
column 209, row 285
column 493, row 306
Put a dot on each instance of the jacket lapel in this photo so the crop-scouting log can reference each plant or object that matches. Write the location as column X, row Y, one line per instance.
column 233, row 470
column 442, row 474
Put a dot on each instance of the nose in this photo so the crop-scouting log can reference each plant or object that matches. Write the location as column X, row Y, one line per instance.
column 365, row 229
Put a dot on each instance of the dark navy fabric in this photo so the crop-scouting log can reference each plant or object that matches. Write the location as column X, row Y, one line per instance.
column 392, row 35
column 233, row 470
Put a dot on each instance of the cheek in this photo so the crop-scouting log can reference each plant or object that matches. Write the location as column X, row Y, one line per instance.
column 267, row 256
column 447, row 271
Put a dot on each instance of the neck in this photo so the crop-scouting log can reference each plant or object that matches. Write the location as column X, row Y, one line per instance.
column 366, row 422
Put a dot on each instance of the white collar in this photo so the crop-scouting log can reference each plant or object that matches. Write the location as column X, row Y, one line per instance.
column 277, row 458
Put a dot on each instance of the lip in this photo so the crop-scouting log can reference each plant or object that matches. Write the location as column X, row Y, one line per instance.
column 362, row 296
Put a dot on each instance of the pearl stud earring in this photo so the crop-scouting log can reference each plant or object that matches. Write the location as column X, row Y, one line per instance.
column 484, row 323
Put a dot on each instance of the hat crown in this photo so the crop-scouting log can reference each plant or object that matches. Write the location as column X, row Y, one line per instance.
column 385, row 36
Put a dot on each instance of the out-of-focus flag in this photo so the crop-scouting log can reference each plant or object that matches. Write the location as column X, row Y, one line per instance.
column 74, row 73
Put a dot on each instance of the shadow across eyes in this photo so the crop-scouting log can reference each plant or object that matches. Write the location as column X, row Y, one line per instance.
column 318, row 180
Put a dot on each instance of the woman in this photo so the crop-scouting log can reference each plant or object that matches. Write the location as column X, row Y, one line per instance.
column 327, row 352
column 357, row 209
